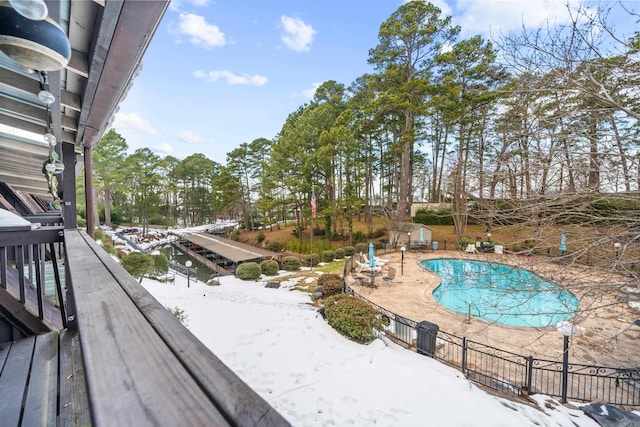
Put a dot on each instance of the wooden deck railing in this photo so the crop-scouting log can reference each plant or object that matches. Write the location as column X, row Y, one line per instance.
column 138, row 364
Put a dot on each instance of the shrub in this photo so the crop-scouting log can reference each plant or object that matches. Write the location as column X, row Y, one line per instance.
column 352, row 317
column 464, row 241
column 98, row 234
column 362, row 247
column 434, row 217
column 327, row 256
column 248, row 271
column 291, row 263
column 332, row 288
column 179, row 314
column 269, row 267
column 378, row 232
column 160, row 265
column 260, row 237
column 339, row 253
column 312, row 260
column 331, row 284
column 349, row 250
column 108, row 247
column 359, row 236
column 138, row 264
column 328, row 277
column 274, row 246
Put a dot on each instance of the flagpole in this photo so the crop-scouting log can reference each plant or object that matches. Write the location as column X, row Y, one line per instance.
column 313, row 215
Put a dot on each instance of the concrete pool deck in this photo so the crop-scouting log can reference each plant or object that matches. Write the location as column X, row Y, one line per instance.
column 606, row 334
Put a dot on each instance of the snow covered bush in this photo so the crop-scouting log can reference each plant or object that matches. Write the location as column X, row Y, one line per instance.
column 269, row 267
column 291, row 263
column 352, row 317
column 248, row 271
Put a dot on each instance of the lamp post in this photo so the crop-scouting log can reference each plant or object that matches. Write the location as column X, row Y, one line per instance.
column 567, row 329
column 402, row 249
column 617, row 246
column 489, row 236
column 188, row 264
column 409, row 239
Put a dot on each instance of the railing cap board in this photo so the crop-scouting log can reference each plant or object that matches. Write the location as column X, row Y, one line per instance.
column 142, row 364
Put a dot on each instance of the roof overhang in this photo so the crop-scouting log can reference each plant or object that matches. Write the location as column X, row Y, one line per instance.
column 108, row 40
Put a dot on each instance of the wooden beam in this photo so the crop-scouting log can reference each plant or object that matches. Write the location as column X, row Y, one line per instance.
column 78, row 64
column 37, row 129
column 34, row 113
column 30, row 85
column 70, row 100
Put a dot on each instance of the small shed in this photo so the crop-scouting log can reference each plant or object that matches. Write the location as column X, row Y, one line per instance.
column 410, row 234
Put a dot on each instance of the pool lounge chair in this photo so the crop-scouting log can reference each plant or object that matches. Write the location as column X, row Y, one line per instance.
column 364, row 267
column 471, row 249
column 380, row 261
column 377, row 260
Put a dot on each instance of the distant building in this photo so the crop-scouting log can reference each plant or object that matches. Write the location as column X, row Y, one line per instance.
column 410, row 234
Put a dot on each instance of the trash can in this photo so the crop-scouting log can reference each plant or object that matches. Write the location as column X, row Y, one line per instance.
column 434, row 246
column 427, row 334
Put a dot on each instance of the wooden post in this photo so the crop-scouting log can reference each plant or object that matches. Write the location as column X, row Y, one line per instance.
column 88, row 191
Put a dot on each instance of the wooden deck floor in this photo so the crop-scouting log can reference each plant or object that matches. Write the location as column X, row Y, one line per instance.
column 33, row 371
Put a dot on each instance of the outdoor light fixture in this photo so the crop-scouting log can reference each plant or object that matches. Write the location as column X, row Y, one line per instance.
column 567, row 329
column 44, row 95
column 402, row 249
column 409, row 239
column 36, row 10
column 50, row 138
column 188, row 264
column 38, row 44
column 617, row 246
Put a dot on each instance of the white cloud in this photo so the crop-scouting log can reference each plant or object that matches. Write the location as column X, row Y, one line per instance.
column 309, row 93
column 189, row 137
column 164, row 148
column 175, row 5
column 476, row 16
column 232, row 78
column 297, row 35
column 134, row 123
column 200, row 32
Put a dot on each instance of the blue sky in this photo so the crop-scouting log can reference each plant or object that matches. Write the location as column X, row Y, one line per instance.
column 222, row 72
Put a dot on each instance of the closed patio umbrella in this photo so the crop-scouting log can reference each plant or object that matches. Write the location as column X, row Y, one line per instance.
column 372, row 262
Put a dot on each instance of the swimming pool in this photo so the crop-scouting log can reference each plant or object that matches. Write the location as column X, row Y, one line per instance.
column 500, row 293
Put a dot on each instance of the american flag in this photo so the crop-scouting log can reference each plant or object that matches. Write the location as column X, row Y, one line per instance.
column 314, row 206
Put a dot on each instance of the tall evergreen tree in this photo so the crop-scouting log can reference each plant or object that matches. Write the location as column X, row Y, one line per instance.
column 408, row 44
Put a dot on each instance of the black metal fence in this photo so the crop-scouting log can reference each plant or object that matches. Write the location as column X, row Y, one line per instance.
column 513, row 373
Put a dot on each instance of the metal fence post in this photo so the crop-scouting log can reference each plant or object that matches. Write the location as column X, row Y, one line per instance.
column 529, row 376
column 565, row 368
column 464, row 356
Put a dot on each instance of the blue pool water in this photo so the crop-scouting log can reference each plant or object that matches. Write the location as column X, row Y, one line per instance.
column 500, row 293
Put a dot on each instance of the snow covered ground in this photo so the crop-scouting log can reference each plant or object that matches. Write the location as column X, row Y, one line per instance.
column 278, row 344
